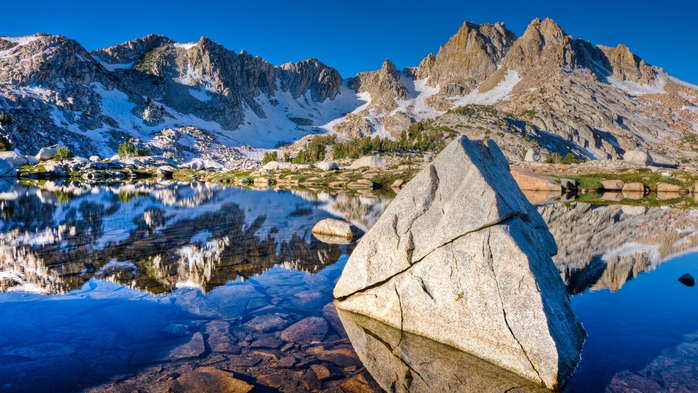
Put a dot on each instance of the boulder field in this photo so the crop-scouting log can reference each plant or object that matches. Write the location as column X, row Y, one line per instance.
column 461, row 257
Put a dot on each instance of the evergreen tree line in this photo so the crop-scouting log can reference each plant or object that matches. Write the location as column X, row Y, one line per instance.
column 418, row 137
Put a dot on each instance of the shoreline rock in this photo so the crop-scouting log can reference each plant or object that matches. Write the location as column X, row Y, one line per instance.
column 461, row 257
column 331, row 228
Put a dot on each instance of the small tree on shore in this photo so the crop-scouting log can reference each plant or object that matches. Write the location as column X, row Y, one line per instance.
column 5, row 145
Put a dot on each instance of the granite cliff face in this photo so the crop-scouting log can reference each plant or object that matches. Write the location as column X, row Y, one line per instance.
column 597, row 102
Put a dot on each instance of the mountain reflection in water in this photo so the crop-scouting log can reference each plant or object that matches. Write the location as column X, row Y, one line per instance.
column 602, row 247
column 233, row 268
column 157, row 237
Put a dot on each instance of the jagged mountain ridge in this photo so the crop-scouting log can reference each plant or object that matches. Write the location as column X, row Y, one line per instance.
column 154, row 90
column 202, row 100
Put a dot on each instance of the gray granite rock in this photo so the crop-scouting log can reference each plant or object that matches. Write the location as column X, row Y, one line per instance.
column 306, row 330
column 461, row 257
column 7, row 169
column 16, row 159
column 638, row 157
column 46, row 153
column 613, row 185
column 336, row 228
column 326, row 165
column 369, row 161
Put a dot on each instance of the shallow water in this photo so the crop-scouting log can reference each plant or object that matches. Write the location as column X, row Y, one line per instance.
column 133, row 286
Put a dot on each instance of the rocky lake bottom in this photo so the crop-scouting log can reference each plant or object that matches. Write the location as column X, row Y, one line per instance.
column 179, row 286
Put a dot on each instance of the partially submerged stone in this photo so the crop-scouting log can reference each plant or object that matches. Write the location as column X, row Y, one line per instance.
column 336, row 228
column 461, row 257
column 612, row 185
column 634, row 187
column 666, row 187
column 568, row 184
column 532, row 182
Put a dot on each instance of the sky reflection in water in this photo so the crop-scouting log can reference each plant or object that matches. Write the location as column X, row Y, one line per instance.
column 123, row 275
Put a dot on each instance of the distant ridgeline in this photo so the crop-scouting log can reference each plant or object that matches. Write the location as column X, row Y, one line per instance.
column 543, row 91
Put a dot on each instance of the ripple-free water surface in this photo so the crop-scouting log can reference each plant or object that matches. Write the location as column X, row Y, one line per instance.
column 105, row 285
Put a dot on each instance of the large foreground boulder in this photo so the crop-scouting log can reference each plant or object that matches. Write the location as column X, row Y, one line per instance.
column 461, row 257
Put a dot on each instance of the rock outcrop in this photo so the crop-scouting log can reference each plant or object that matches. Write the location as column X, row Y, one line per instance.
column 461, row 257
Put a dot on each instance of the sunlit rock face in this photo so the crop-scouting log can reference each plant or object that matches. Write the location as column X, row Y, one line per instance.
column 605, row 246
column 461, row 257
column 202, row 100
column 159, row 237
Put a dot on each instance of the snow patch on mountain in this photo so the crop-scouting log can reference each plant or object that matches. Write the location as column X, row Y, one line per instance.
column 637, row 89
column 20, row 41
column 500, row 92
column 185, row 46
column 680, row 82
column 113, row 67
column 417, row 105
column 276, row 126
column 200, row 95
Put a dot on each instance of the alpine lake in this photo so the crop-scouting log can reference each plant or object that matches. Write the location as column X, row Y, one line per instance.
column 189, row 286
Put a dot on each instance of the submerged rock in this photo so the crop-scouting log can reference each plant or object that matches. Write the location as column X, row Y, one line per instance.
column 687, row 280
column 461, row 257
column 209, row 379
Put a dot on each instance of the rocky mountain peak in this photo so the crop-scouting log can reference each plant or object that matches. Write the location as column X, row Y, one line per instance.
column 129, row 50
column 546, row 45
column 469, row 57
column 626, row 66
column 44, row 60
column 383, row 85
column 323, row 81
column 389, row 69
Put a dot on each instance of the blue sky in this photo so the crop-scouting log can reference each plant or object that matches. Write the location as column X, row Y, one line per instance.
column 355, row 36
